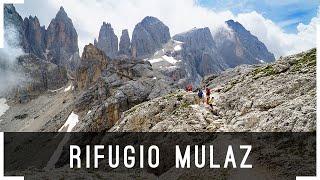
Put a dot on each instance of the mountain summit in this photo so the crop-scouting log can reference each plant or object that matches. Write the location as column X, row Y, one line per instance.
column 148, row 36
column 108, row 41
column 61, row 38
column 238, row 46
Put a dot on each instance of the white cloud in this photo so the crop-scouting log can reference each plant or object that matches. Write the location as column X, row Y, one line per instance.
column 179, row 15
column 277, row 41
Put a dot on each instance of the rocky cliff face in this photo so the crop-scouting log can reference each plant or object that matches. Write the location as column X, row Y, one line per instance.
column 200, row 50
column 148, row 36
column 199, row 54
column 14, row 28
column 93, row 62
column 123, row 84
column 57, row 44
column 61, row 39
column 238, row 46
column 108, row 41
column 40, row 77
column 266, row 98
column 35, row 35
column 188, row 57
column 125, row 44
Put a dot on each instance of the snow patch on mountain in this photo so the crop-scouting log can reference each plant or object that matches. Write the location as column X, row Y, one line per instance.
column 178, row 48
column 71, row 122
column 3, row 106
column 70, row 87
column 171, row 60
column 164, row 58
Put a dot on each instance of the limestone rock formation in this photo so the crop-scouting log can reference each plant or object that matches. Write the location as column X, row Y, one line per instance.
column 200, row 51
column 57, row 44
column 148, row 36
column 14, row 28
column 61, row 39
column 125, row 44
column 196, row 38
column 122, row 85
column 238, row 46
column 35, row 35
column 278, row 97
column 108, row 41
column 176, row 112
column 41, row 76
column 93, row 62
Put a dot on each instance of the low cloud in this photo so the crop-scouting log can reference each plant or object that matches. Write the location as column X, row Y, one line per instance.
column 274, row 37
column 10, row 77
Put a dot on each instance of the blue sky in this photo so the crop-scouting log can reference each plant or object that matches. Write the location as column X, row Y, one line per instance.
column 285, row 13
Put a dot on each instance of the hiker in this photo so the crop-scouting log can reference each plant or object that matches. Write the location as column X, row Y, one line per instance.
column 208, row 94
column 189, row 88
column 210, row 102
column 200, row 96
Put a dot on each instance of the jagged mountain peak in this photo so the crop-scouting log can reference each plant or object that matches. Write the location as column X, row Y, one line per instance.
column 10, row 8
column 106, row 26
column 238, row 28
column 62, row 15
column 125, row 43
column 32, row 18
column 92, row 52
column 238, row 46
column 61, row 11
column 148, row 36
column 107, row 40
column 125, row 31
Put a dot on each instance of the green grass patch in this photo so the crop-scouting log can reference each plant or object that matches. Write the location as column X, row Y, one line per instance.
column 266, row 71
column 308, row 60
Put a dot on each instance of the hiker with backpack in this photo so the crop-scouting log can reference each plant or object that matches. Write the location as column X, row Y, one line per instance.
column 200, row 96
column 208, row 94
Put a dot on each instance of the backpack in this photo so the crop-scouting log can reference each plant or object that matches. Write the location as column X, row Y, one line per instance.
column 200, row 94
column 208, row 92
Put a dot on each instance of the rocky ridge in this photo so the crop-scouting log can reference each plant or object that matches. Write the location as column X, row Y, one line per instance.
column 275, row 97
column 100, row 92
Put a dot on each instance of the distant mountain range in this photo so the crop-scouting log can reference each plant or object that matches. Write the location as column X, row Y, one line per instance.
column 201, row 54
